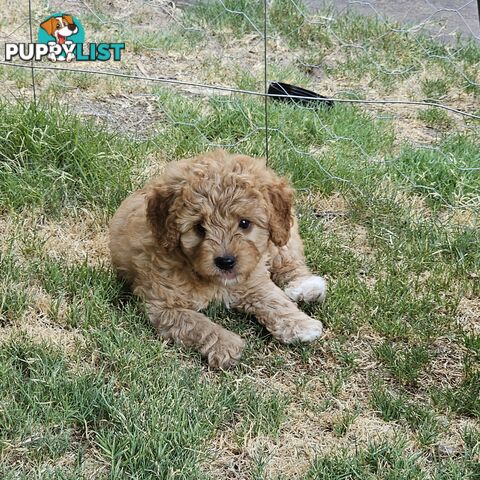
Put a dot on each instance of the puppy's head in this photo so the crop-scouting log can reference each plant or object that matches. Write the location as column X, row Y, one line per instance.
column 60, row 27
column 219, row 212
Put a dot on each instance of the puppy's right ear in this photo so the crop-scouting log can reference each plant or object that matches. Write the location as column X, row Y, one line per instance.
column 161, row 215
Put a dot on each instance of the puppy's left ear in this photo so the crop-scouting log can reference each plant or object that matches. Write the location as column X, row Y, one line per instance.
column 280, row 198
column 50, row 25
column 161, row 215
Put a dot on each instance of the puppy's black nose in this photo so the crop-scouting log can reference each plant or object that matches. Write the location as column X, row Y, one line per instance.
column 72, row 27
column 225, row 263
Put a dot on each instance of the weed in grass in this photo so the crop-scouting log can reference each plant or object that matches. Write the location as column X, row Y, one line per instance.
column 471, row 437
column 259, row 464
column 463, row 398
column 390, row 407
column 435, row 88
column 405, row 363
column 344, row 421
column 472, row 343
column 396, row 407
column 335, row 382
column 435, row 118
column 390, row 460
column 13, row 303
column 346, row 357
column 261, row 414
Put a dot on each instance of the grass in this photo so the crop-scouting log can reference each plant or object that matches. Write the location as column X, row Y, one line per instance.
column 384, row 52
column 435, row 118
column 381, row 460
column 86, row 388
column 52, row 160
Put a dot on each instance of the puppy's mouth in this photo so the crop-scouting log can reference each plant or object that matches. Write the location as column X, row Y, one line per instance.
column 229, row 277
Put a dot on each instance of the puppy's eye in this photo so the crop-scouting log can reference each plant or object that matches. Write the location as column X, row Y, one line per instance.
column 200, row 229
column 244, row 224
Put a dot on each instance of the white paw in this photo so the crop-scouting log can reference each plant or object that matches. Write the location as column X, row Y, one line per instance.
column 308, row 331
column 308, row 289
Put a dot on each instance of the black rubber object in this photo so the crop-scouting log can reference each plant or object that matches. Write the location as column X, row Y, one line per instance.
column 287, row 93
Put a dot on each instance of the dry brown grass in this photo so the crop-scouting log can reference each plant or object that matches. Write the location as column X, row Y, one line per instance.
column 73, row 239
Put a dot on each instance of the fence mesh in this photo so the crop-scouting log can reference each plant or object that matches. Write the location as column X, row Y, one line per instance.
column 197, row 70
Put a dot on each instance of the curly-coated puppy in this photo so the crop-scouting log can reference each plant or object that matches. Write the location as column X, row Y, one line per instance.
column 216, row 227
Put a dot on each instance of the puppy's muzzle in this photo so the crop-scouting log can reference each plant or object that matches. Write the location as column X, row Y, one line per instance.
column 225, row 263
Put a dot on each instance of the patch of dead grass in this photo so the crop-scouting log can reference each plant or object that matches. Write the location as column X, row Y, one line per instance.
column 37, row 323
column 468, row 315
column 74, row 238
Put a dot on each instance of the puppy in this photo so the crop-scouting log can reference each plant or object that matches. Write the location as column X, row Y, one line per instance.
column 61, row 28
column 216, row 227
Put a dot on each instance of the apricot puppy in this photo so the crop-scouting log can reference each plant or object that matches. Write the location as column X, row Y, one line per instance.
column 216, row 227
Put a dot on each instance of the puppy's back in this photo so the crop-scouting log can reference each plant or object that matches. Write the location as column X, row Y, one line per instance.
column 129, row 235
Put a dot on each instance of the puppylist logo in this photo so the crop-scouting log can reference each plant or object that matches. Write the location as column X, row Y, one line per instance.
column 61, row 38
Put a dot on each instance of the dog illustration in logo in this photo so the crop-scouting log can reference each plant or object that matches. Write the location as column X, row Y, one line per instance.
column 60, row 28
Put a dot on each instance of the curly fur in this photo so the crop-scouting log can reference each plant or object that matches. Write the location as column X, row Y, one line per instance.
column 165, row 237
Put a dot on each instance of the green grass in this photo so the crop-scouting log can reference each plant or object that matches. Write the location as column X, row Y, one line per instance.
column 378, row 460
column 446, row 174
column 404, row 363
column 435, row 118
column 49, row 159
column 396, row 407
column 386, row 460
column 435, row 89
column 391, row 223
column 384, row 53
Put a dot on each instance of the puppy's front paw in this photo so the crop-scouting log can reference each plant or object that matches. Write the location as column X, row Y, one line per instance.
column 303, row 329
column 226, row 351
column 308, row 330
column 307, row 289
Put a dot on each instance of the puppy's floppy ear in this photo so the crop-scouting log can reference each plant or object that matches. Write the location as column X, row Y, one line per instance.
column 280, row 199
column 161, row 214
column 50, row 25
column 68, row 19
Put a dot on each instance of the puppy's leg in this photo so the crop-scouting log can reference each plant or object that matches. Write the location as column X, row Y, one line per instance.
column 277, row 312
column 221, row 347
column 290, row 272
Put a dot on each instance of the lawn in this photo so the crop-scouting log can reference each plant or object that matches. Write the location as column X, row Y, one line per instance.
column 388, row 202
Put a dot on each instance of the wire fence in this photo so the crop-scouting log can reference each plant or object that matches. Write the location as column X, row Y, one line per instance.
column 393, row 60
